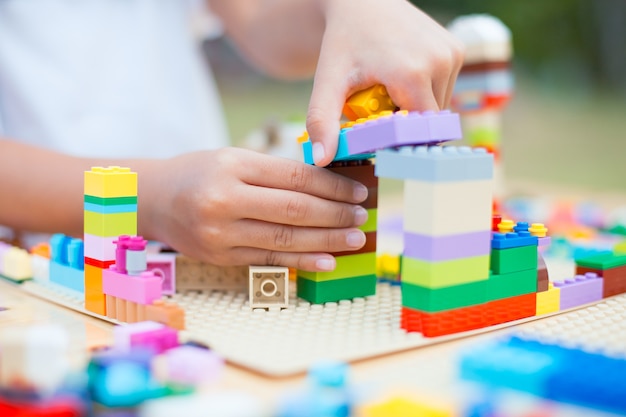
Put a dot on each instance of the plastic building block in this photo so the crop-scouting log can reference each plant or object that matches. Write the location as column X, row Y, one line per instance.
column 67, row 276
column 602, row 261
column 511, row 284
column 41, row 267
column 221, row 403
column 26, row 351
column 510, row 309
column 444, row 273
column 188, row 365
column 373, row 100
column 551, row 372
column 446, row 298
column 432, row 208
column 445, row 322
column 166, row 313
column 318, row 292
column 94, row 297
column 368, row 247
column 109, row 225
column 580, row 290
column 403, row 128
column 269, row 287
column 346, row 266
column 147, row 334
column 164, row 265
column 110, row 209
column 513, row 240
column 506, row 226
column 614, row 279
column 505, row 261
column 406, row 407
column 55, row 407
column 111, row 182
column 495, row 221
column 110, row 201
column 543, row 278
column 15, row 264
column 142, row 289
column 548, row 301
column 444, row 248
column 343, row 152
column 99, row 249
column 435, row 163
column 538, row 229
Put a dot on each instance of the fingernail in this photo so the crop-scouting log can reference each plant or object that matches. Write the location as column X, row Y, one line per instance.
column 318, row 152
column 325, row 264
column 360, row 192
column 355, row 239
column 360, row 215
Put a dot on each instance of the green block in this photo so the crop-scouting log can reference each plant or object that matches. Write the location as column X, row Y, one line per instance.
column 347, row 266
column 444, row 273
column 603, row 261
column 513, row 284
column 110, row 224
column 372, row 221
column 440, row 299
column 110, row 201
column 337, row 289
column 505, row 261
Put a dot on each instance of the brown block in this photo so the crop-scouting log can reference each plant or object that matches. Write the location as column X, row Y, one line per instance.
column 362, row 173
column 543, row 279
column 370, row 246
column 614, row 279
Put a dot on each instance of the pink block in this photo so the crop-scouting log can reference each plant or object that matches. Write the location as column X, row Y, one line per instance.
column 142, row 289
column 122, row 334
column 158, row 340
column 193, row 365
column 164, row 265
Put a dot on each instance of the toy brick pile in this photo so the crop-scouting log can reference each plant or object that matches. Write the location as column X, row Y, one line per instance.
column 38, row 377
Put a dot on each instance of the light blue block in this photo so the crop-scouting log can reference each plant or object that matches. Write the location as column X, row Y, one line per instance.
column 435, row 163
column 122, row 208
column 343, row 154
column 67, row 276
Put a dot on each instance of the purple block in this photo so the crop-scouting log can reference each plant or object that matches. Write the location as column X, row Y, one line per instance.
column 544, row 242
column 191, row 365
column 141, row 289
column 580, row 290
column 445, row 248
column 401, row 129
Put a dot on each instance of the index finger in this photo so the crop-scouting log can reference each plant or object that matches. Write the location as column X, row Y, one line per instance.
column 287, row 174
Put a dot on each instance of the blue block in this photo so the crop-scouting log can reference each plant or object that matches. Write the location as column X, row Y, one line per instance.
column 343, row 153
column 435, row 163
column 110, row 209
column 513, row 240
column 67, row 276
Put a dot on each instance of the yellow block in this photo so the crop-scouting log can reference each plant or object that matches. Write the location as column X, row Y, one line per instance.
column 404, row 407
column 373, row 100
column 111, row 182
column 110, row 224
column 548, row 301
column 620, row 248
column 94, row 297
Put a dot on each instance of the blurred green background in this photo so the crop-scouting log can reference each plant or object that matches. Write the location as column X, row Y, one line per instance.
column 565, row 125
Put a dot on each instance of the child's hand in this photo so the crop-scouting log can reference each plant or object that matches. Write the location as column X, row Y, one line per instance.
column 368, row 42
column 237, row 207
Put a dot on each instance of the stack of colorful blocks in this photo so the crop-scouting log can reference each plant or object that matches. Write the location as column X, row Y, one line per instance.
column 355, row 274
column 110, row 211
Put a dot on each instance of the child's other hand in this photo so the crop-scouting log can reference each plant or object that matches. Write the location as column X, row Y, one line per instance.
column 237, row 207
column 368, row 42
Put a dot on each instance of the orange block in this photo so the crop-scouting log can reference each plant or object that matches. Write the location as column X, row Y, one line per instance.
column 169, row 314
column 94, row 297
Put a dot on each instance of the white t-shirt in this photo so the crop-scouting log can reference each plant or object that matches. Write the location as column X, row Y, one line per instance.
column 106, row 78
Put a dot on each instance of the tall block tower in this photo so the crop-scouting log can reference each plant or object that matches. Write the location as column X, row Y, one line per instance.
column 355, row 274
column 110, row 210
column 448, row 195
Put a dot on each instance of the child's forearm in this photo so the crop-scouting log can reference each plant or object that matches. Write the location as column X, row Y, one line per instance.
column 42, row 190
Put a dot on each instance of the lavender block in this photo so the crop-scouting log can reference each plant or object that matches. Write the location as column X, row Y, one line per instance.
column 580, row 290
column 400, row 129
column 444, row 248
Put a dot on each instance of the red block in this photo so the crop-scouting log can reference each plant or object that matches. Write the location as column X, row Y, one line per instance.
column 53, row 408
column 444, row 322
column 509, row 309
column 614, row 279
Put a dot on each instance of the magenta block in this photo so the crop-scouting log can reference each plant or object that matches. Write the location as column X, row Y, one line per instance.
column 582, row 289
column 141, row 289
column 158, row 340
column 399, row 129
column 193, row 365
column 164, row 265
column 445, row 248
column 122, row 334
